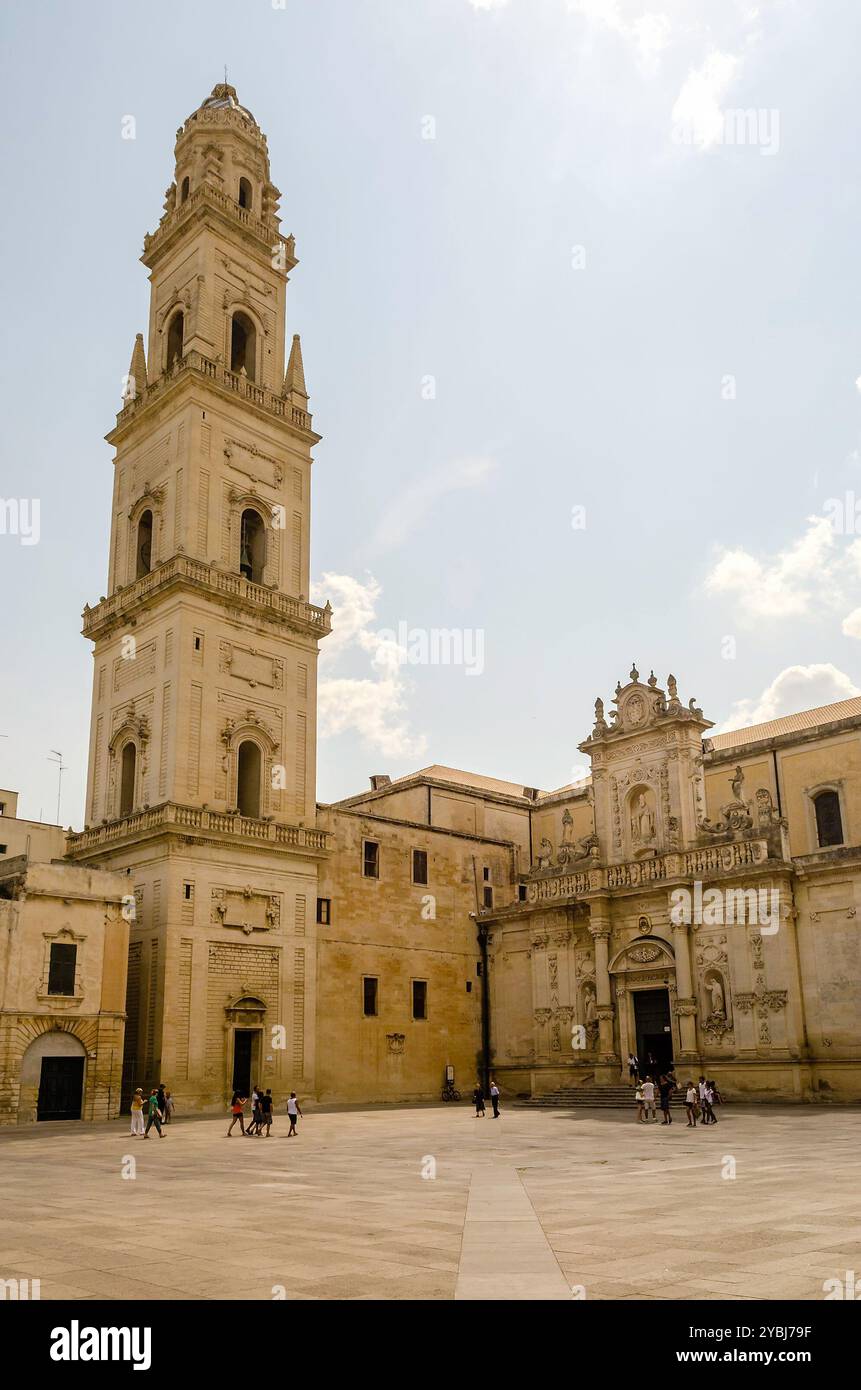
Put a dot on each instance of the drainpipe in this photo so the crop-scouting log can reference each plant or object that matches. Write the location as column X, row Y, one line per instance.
column 485, row 1009
column 777, row 782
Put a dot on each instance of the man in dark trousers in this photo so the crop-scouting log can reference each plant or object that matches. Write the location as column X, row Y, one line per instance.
column 494, row 1099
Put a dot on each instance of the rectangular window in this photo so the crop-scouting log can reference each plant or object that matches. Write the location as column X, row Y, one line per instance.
column 420, row 998
column 61, row 973
column 420, row 866
column 2, row 808
column 324, row 911
column 486, row 873
column 488, row 897
column 2, row 849
column 186, row 892
column 370, row 990
column 371, row 859
column 521, row 892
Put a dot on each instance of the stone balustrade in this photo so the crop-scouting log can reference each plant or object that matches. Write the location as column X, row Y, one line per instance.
column 172, row 815
column 317, row 621
column 195, row 364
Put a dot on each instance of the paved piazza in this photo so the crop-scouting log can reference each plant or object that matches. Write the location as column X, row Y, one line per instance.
column 528, row 1206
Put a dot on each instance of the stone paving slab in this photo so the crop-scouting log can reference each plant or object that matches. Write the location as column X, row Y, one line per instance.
column 524, row 1208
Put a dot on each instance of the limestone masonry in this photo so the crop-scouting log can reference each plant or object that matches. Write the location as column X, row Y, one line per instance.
column 695, row 900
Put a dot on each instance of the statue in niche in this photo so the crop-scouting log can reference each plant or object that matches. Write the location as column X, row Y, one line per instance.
column 737, row 784
column 567, row 822
column 590, row 1006
column 715, row 989
column 642, row 821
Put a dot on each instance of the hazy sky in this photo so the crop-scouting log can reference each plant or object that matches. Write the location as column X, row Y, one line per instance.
column 581, row 338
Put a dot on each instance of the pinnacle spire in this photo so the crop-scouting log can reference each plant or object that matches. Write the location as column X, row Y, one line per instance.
column 294, row 381
column 137, row 368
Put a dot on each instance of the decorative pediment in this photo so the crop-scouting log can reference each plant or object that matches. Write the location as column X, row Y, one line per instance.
column 641, row 705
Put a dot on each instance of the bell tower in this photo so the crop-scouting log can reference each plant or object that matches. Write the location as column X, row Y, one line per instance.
column 203, row 732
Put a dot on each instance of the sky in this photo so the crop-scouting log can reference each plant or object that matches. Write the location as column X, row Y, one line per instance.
column 578, row 306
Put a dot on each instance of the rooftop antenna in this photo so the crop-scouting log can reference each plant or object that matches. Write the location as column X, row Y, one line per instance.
column 58, row 759
column 225, row 74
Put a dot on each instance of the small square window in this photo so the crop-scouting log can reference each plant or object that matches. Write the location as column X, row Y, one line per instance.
column 61, row 971
column 2, row 849
column 488, row 897
column 469, row 986
column 370, row 991
column 420, row 866
column 324, row 911
column 478, row 969
column 371, row 859
column 420, row 998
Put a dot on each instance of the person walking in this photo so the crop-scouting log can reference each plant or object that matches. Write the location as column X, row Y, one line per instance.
column 639, row 1098
column 478, row 1101
column 294, row 1110
column 691, row 1105
column 649, row 1099
column 494, row 1099
column 633, row 1067
column 137, row 1113
column 709, row 1116
column 168, row 1107
column 253, row 1127
column 155, row 1115
column 162, row 1100
column 236, row 1107
column 666, row 1086
column 266, row 1111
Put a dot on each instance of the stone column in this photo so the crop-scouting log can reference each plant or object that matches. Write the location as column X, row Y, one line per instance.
column 686, row 1004
column 607, row 1068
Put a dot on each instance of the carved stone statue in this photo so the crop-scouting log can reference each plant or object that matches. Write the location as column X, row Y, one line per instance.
column 672, row 688
column 590, row 1008
column 642, row 822
column 567, row 822
column 715, row 989
column 737, row 784
column 545, row 853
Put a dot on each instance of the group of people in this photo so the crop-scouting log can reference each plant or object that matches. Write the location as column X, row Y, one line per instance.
column 159, row 1109
column 700, row 1098
column 478, row 1100
column 262, row 1113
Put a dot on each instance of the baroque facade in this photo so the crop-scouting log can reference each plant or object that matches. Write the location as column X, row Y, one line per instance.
column 695, row 898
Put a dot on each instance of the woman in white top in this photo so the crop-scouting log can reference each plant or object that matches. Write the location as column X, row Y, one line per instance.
column 690, row 1105
column 293, row 1110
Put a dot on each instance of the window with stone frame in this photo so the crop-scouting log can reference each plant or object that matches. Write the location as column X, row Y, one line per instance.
column 829, row 822
column 61, row 968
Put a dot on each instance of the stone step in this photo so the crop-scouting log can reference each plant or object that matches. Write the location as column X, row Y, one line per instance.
column 606, row 1097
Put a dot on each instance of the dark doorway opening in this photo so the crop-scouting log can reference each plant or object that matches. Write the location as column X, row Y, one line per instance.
column 654, row 1030
column 61, row 1088
column 243, row 1049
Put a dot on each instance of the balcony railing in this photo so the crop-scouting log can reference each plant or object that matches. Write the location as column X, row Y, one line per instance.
column 265, row 231
column 190, row 818
column 317, row 621
column 196, row 364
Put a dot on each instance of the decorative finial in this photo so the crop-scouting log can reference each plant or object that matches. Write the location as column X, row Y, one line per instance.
column 635, row 675
column 672, row 688
column 653, row 680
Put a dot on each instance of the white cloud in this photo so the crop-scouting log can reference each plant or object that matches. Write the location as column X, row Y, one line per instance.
column 406, row 512
column 648, row 34
column 375, row 706
column 794, row 582
column 796, row 688
column 488, row 4
column 698, row 111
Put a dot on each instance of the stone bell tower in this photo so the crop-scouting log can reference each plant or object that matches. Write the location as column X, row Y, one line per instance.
column 203, row 734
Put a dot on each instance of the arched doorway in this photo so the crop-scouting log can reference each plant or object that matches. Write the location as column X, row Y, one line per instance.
column 52, row 1076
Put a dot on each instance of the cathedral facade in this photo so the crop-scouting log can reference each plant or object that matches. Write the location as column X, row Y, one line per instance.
column 694, row 900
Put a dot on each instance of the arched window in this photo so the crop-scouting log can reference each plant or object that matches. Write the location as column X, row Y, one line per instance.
column 175, row 337
column 244, row 193
column 183, row 194
column 127, row 779
column 243, row 345
column 829, row 825
column 252, row 546
column 144, row 547
column 248, row 779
